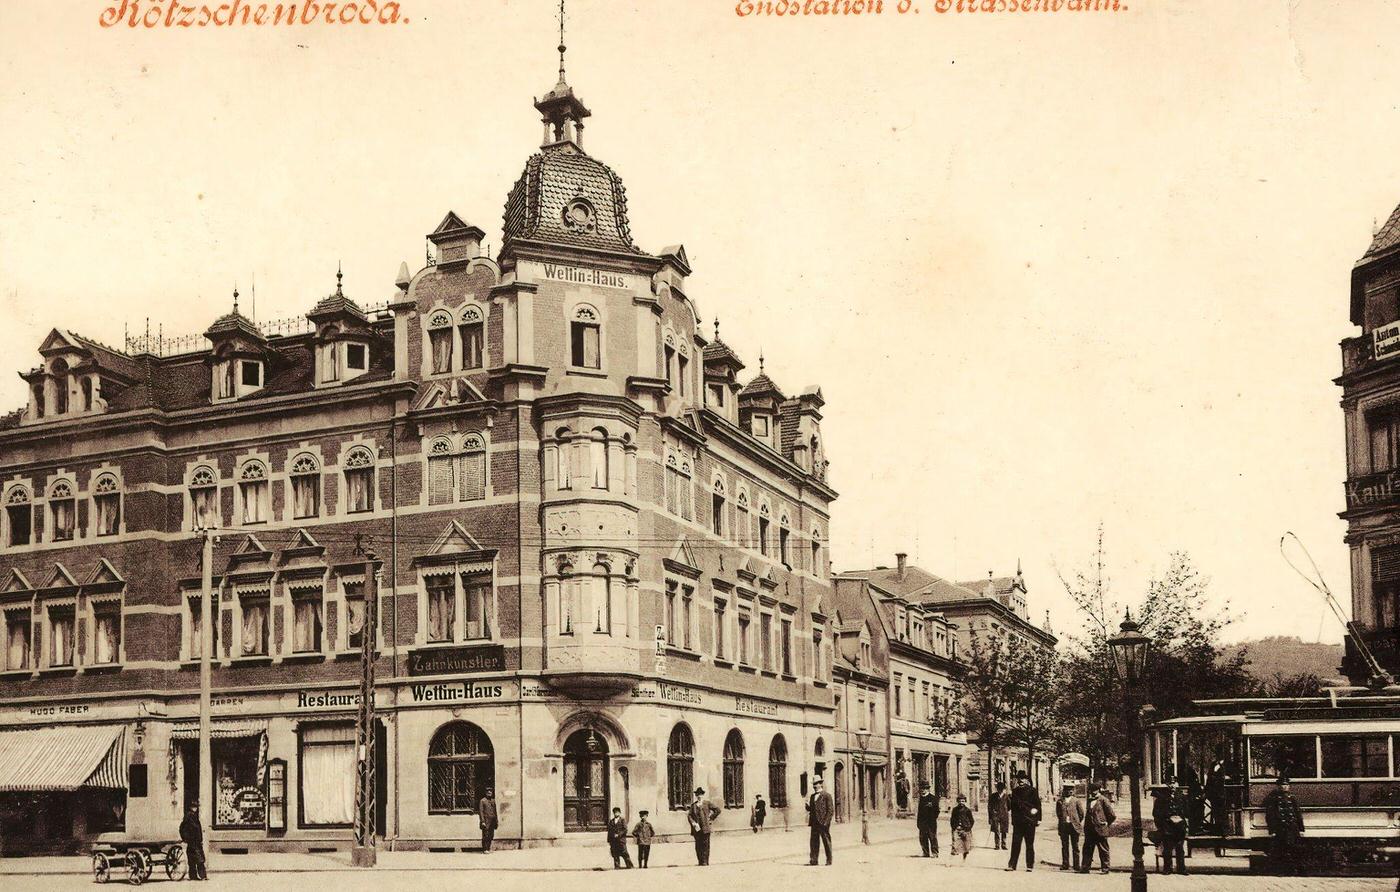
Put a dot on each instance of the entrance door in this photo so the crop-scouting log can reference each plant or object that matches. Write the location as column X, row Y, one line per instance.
column 838, row 785
column 585, row 782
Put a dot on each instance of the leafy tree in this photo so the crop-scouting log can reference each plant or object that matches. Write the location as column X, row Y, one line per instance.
column 1031, row 676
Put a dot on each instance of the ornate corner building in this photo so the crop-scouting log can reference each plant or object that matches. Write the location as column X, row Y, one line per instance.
column 603, row 566
column 1370, row 383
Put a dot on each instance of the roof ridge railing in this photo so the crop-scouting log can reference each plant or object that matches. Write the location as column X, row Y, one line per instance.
column 178, row 345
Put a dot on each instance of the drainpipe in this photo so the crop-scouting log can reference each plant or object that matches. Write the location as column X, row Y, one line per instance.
column 394, row 614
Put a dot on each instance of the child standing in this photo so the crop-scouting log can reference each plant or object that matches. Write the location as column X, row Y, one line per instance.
column 759, row 813
column 617, row 840
column 961, row 821
column 643, row 833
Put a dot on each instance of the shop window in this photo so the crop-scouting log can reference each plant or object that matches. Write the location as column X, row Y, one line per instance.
column 253, row 493
column 238, row 782
column 777, row 772
column 17, row 640
column 680, row 767
column 326, row 773
column 359, row 481
column 734, row 770
column 442, row 602
column 196, row 616
column 461, row 766
column 440, row 342
column 61, row 629
column 473, row 327
column 585, row 339
column 1355, row 756
column 306, row 621
column 63, row 510
column 717, row 509
column 204, row 498
column 254, row 634
column 107, row 503
column 356, row 357
column 107, row 632
column 306, row 486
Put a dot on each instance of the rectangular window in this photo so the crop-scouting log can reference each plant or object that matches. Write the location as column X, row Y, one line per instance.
column 64, row 518
column 668, row 358
column 1359, row 756
column 252, row 373
column 687, row 615
column 763, row 536
column 717, row 514
column 440, row 479
column 254, row 634
column 21, row 521
column 742, row 528
column 872, row 726
column 330, row 362
column 254, row 493
column 682, row 375
column 477, row 590
column 206, row 507
column 785, row 641
column 898, row 696
column 109, row 513
column 237, row 771
column 196, row 617
column 765, row 639
column 354, row 615
column 584, row 351
column 356, row 357
column 442, row 609
column 440, row 342
column 744, row 638
column 61, row 636
column 471, row 345
column 783, row 547
column 927, row 701
column 17, row 637
column 840, row 716
column 327, row 775
column 107, row 632
column 1295, row 756
column 760, row 425
column 471, row 474
column 672, row 612
column 818, row 668
column 717, row 395
column 306, row 621
column 226, row 386
column 359, row 485
column 306, row 495
column 721, row 617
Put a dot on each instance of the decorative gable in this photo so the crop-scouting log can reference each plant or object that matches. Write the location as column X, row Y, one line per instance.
column 455, row 540
column 17, row 582
column 104, row 574
column 683, row 560
column 60, row 578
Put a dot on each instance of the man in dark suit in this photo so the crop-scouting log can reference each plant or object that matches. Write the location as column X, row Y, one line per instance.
column 486, row 815
column 701, row 815
column 928, row 821
column 1025, row 815
column 820, row 808
column 1285, row 821
column 192, row 835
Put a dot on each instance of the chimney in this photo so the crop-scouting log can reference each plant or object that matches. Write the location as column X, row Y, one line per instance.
column 899, row 558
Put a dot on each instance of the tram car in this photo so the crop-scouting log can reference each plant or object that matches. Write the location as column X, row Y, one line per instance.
column 1340, row 752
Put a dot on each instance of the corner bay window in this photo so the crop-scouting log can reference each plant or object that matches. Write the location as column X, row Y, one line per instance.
column 461, row 765
column 680, row 767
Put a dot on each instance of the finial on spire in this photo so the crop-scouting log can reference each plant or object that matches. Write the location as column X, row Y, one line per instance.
column 235, row 297
column 338, row 276
column 760, row 360
column 716, row 328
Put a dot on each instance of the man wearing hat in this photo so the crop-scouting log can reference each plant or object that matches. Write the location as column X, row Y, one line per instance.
column 820, row 808
column 701, row 814
column 1285, row 820
column 192, row 835
column 1172, row 814
column 643, row 833
column 1025, row 815
column 1098, row 817
column 1069, row 817
column 927, row 820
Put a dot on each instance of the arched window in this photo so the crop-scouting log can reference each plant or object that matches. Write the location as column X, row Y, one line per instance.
column 306, row 486
column 717, row 508
column 204, row 498
column 817, row 568
column 680, row 766
column 473, row 337
column 563, row 478
column 359, row 480
column 734, row 770
column 19, row 516
column 63, row 511
column 107, row 503
column 60, row 386
column 598, row 458
column 777, row 772
column 440, row 341
column 763, row 523
column 252, row 489
column 602, row 599
column 678, row 486
column 440, row 472
column 461, row 766
column 472, row 468
column 784, row 534
column 741, row 519
column 585, row 338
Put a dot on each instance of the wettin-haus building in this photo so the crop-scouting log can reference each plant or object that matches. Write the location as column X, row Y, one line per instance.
column 1370, row 383
column 602, row 557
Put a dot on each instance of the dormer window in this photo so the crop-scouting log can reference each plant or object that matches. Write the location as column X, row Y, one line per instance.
column 760, row 426
column 717, row 395
column 330, row 362
column 440, row 342
column 252, row 373
column 356, row 357
column 60, row 387
column 473, row 331
column 63, row 511
column 227, row 388
column 19, row 517
column 87, row 394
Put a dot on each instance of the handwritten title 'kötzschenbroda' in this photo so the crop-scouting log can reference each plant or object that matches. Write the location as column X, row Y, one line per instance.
column 174, row 14
column 817, row 8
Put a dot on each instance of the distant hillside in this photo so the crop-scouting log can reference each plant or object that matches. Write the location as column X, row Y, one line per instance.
column 1289, row 656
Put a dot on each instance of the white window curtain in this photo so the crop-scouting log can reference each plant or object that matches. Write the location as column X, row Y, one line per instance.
column 306, row 626
column 107, row 631
column 61, row 626
column 254, row 628
column 360, row 484
column 62, row 518
column 478, row 594
column 441, row 609
column 354, row 614
column 440, row 340
column 206, row 507
column 306, row 495
column 598, row 458
column 328, row 774
column 108, row 514
column 254, row 501
column 17, row 642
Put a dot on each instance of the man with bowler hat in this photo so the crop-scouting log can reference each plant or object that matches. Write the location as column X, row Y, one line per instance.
column 701, row 815
column 820, row 808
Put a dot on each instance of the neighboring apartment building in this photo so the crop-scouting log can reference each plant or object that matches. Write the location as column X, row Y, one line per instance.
column 1370, row 383
column 860, row 771
column 603, row 558
column 922, row 671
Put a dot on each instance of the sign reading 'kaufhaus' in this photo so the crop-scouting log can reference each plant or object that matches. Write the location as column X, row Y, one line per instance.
column 456, row 660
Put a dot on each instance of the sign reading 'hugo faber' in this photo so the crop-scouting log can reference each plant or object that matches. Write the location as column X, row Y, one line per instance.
column 456, row 660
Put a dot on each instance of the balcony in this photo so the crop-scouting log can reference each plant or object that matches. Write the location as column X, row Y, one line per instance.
column 1373, row 491
column 1385, row 647
column 592, row 665
column 1371, row 350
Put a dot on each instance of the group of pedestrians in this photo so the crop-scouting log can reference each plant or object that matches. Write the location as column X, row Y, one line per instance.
column 960, row 823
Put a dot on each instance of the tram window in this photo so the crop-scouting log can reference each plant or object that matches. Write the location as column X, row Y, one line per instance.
column 1355, row 756
column 1295, row 756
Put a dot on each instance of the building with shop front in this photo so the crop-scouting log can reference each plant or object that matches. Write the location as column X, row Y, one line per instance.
column 860, row 778
column 601, row 555
column 923, row 670
column 1370, row 383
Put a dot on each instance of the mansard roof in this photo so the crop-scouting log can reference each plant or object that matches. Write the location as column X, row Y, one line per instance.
column 1386, row 238
column 565, row 196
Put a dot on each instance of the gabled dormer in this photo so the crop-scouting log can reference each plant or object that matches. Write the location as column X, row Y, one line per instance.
column 74, row 377
column 455, row 241
column 801, row 436
column 343, row 338
column 722, row 368
column 758, row 408
column 239, row 358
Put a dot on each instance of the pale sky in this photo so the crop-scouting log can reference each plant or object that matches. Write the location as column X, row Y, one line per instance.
column 1048, row 270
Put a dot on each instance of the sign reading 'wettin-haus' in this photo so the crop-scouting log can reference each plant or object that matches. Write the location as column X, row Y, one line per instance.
column 455, row 660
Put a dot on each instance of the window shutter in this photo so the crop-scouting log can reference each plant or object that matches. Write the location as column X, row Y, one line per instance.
column 472, row 471
column 1385, row 564
column 440, row 480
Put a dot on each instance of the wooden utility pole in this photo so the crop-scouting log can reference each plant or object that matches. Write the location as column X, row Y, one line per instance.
column 364, row 853
column 206, row 648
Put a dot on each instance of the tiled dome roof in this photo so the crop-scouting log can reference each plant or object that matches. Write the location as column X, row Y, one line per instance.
column 567, row 197
column 234, row 322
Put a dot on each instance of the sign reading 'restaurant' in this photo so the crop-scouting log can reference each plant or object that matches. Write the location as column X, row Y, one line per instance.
column 456, row 660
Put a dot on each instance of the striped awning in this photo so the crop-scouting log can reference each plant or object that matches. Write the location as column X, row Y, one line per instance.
column 220, row 730
column 36, row 759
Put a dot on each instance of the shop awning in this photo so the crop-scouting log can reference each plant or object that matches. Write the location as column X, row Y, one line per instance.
column 871, row 760
column 220, row 730
column 36, row 759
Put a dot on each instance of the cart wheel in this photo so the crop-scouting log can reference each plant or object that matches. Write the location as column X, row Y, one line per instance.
column 133, row 867
column 101, row 868
column 175, row 866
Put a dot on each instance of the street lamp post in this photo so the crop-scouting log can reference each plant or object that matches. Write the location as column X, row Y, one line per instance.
column 1129, row 650
column 863, row 739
